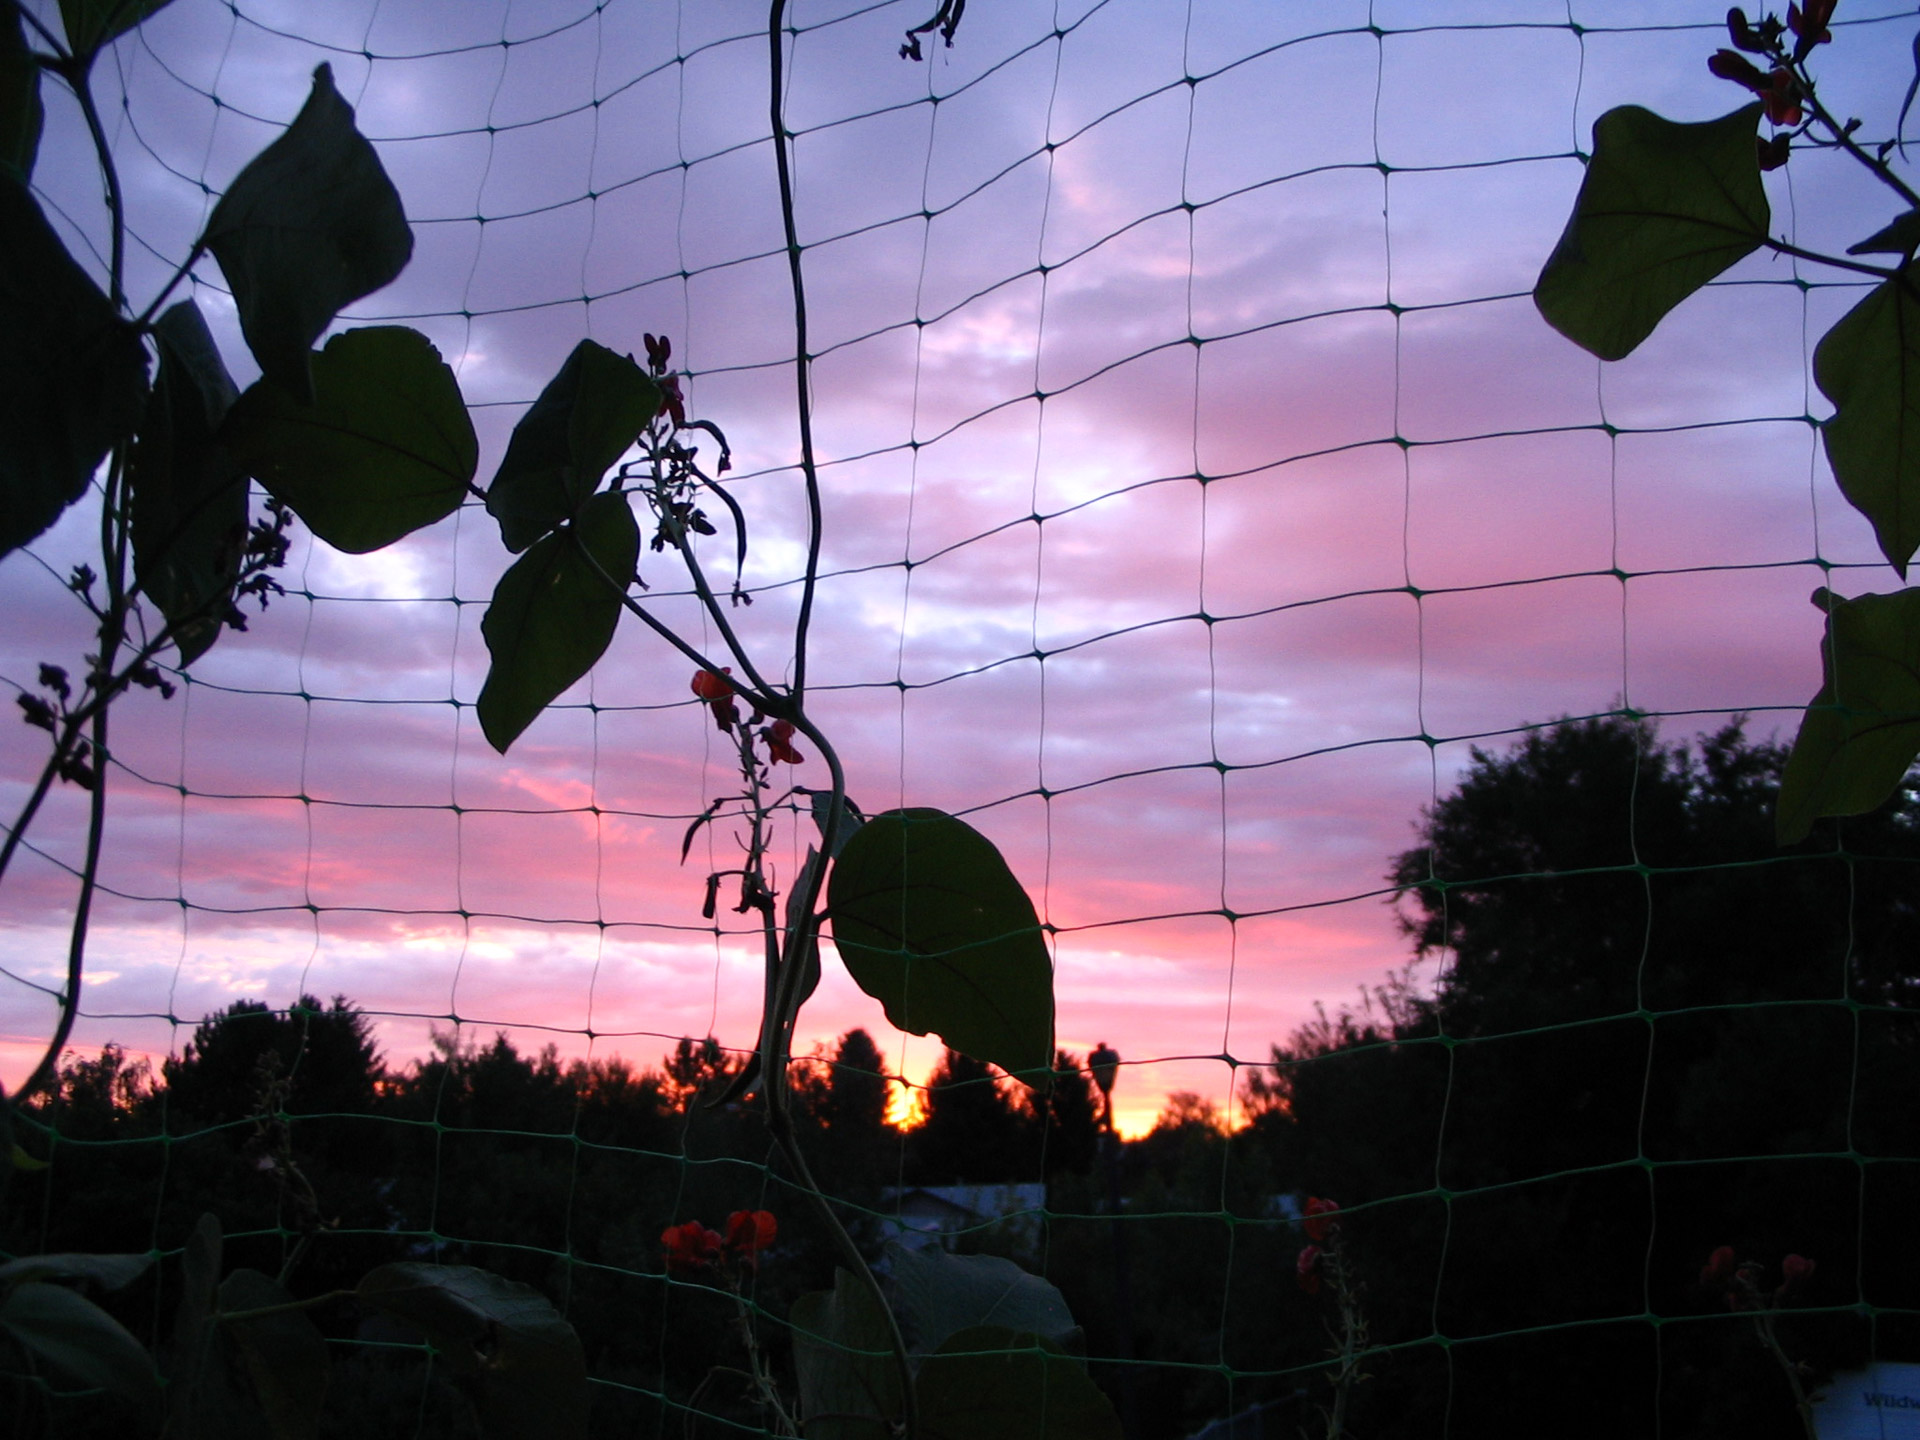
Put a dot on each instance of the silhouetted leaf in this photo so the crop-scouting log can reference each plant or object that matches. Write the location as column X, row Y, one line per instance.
column 942, row 1294
column 1900, row 236
column 21, row 112
column 93, row 23
column 518, row 1362
column 1869, row 366
column 586, row 417
column 1862, row 730
column 384, row 447
column 931, row 923
column 309, row 226
column 80, row 1340
column 73, row 374
column 1664, row 208
column 843, row 1359
column 109, row 1272
column 189, row 493
column 992, row 1383
column 204, row 1398
column 552, row 615
column 284, row 1355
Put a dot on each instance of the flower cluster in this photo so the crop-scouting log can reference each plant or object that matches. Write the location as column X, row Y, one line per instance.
column 1741, row 1284
column 692, row 1247
column 1322, row 1230
column 715, row 690
column 1779, row 87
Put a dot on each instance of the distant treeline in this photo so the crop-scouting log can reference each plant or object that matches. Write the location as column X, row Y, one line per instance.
column 1653, row 1034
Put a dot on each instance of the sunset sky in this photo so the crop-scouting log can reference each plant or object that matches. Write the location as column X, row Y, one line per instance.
column 1201, row 484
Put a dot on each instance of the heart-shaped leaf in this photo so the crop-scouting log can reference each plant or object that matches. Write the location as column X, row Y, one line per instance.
column 1869, row 366
column 553, row 615
column 992, row 1383
column 1862, row 730
column 383, row 447
column 189, row 493
column 1664, row 208
column 309, row 226
column 931, row 923
column 283, row 1354
column 81, row 1340
column 93, row 23
column 943, row 1294
column 517, row 1360
column 21, row 113
column 843, row 1359
column 586, row 417
column 109, row 1272
column 73, row 374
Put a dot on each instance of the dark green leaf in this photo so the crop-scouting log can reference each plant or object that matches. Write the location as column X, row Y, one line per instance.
column 109, row 1272
column 23, row 1161
column 1900, row 237
column 1665, row 207
column 1862, row 730
column 309, row 226
column 843, row 1359
column 517, row 1360
column 73, row 374
column 552, row 615
column 283, row 1355
column 204, row 1397
column 81, row 1340
column 991, row 1383
column 93, row 23
column 21, row 112
column 933, row 925
column 942, row 1294
column 384, row 447
column 1869, row 366
column 586, row 417
column 189, row 493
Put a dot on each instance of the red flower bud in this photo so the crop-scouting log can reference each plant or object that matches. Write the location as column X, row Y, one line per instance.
column 717, row 692
column 690, row 1247
column 1719, row 1267
column 709, row 686
column 1782, row 94
column 779, row 743
column 1795, row 1270
column 1732, row 65
column 1307, row 1269
column 672, row 403
column 751, row 1231
column 1319, row 1223
column 1743, row 35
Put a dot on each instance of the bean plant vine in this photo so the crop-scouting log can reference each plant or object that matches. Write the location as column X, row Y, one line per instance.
column 1665, row 207
column 198, row 485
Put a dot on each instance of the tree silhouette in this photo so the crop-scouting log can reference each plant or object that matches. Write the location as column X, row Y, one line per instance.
column 1653, row 1033
column 974, row 1132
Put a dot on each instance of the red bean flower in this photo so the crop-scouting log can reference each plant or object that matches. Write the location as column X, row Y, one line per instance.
column 1306, row 1269
column 1719, row 1267
column 780, row 743
column 690, row 1247
column 1795, row 1270
column 1810, row 25
column 1320, row 1222
column 751, row 1231
column 716, row 692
